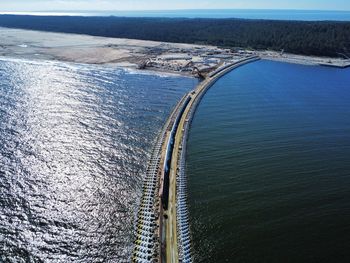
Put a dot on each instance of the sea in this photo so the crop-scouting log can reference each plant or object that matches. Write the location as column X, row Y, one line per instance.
column 268, row 166
column 268, row 161
column 75, row 140
column 273, row 14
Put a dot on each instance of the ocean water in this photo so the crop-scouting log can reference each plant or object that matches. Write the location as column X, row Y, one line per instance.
column 268, row 163
column 307, row 15
column 74, row 145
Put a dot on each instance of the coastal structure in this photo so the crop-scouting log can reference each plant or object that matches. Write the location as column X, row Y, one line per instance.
column 162, row 232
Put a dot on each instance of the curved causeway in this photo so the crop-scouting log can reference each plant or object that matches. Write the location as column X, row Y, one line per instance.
column 162, row 231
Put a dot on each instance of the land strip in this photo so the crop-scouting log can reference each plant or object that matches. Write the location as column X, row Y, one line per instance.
column 187, row 59
column 317, row 38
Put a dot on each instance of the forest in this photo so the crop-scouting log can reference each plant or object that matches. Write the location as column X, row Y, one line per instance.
column 321, row 38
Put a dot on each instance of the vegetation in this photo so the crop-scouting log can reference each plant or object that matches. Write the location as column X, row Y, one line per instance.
column 324, row 38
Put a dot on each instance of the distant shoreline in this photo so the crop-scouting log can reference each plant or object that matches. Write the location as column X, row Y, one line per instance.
column 175, row 58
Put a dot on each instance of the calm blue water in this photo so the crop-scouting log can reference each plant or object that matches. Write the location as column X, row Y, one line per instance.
column 269, row 166
column 74, row 145
column 307, row 15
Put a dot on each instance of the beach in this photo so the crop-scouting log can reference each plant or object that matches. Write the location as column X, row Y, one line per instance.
column 187, row 59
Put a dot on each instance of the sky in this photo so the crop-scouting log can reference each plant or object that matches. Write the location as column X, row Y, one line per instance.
column 99, row 5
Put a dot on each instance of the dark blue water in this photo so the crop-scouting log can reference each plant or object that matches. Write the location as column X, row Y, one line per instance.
column 74, row 145
column 307, row 15
column 269, row 166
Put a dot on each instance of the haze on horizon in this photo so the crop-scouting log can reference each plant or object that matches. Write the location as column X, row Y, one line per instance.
column 115, row 5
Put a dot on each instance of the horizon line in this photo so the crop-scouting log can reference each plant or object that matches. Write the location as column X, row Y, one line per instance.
column 175, row 9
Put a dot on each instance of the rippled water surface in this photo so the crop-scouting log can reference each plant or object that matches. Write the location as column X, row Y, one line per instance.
column 74, row 144
column 269, row 166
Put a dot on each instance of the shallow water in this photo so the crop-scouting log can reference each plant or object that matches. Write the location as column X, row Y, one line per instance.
column 74, row 145
column 268, row 163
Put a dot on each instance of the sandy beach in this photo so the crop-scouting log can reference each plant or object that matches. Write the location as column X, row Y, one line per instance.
column 169, row 57
column 160, row 56
column 304, row 60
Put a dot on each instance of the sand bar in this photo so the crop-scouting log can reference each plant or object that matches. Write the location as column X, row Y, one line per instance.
column 160, row 56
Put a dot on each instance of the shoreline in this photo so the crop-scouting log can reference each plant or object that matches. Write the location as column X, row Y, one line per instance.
column 189, row 60
column 304, row 60
column 130, row 69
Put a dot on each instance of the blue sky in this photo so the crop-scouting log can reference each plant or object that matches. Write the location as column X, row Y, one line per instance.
column 41, row 5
